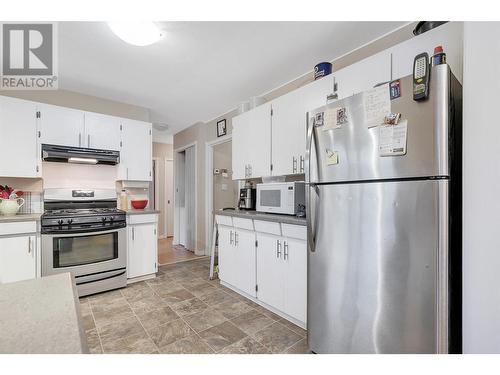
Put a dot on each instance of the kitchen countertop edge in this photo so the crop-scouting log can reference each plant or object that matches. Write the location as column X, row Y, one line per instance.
column 20, row 217
column 285, row 219
column 142, row 212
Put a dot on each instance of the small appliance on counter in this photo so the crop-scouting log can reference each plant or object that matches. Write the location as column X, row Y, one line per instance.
column 281, row 197
column 247, row 197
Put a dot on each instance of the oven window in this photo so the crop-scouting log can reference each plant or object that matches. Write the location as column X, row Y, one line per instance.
column 270, row 198
column 77, row 251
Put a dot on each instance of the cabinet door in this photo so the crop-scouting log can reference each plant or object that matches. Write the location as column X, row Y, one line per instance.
column 363, row 75
column 102, row 132
column 19, row 156
column 289, row 124
column 295, row 258
column 17, row 259
column 240, row 145
column 259, row 141
column 227, row 258
column 61, row 126
column 270, row 270
column 142, row 250
column 136, row 152
column 245, row 261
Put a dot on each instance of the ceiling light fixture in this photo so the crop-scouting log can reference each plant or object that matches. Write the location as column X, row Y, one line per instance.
column 140, row 33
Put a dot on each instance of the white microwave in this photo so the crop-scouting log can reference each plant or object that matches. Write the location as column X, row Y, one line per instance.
column 281, row 197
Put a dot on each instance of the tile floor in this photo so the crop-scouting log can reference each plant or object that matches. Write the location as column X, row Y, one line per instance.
column 180, row 311
column 169, row 254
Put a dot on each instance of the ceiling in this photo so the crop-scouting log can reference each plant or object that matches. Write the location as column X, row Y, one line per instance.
column 200, row 70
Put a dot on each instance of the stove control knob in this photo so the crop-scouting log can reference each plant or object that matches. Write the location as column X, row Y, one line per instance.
column 70, row 221
column 60, row 222
column 103, row 220
column 111, row 219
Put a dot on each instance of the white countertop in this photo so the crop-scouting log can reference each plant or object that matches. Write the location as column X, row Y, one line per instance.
column 41, row 316
column 20, row 217
column 146, row 211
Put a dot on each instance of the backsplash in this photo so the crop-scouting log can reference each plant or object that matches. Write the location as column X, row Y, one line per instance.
column 32, row 203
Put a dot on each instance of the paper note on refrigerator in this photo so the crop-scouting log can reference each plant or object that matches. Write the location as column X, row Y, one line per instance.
column 392, row 139
column 377, row 105
column 335, row 117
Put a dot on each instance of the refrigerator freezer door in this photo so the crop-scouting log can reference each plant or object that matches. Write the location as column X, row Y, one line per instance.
column 373, row 277
column 350, row 152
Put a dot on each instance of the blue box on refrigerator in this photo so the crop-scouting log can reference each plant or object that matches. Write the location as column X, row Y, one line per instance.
column 322, row 69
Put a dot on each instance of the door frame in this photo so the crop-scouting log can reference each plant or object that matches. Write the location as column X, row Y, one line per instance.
column 176, row 209
column 209, row 178
column 166, row 160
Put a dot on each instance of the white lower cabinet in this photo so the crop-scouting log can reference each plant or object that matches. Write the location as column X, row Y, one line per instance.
column 270, row 267
column 237, row 258
column 282, row 274
column 142, row 249
column 17, row 258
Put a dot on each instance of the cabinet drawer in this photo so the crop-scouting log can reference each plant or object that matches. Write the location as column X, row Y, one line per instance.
column 294, row 231
column 224, row 220
column 15, row 228
column 142, row 219
column 270, row 227
column 238, row 222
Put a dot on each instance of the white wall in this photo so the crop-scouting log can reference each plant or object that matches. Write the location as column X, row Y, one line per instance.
column 481, row 195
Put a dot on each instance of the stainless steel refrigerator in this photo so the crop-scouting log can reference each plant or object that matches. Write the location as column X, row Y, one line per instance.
column 384, row 221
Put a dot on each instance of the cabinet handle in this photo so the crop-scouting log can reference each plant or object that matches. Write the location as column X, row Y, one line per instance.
column 249, row 170
column 133, row 234
column 278, row 248
column 294, row 164
column 285, row 250
column 79, row 139
column 127, row 173
column 301, row 164
column 235, row 239
column 231, row 238
column 29, row 245
column 88, row 141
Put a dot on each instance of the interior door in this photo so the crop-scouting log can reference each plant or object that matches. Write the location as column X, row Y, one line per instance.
column 245, row 261
column 373, row 272
column 18, row 140
column 102, row 132
column 270, row 270
column 295, row 258
column 169, row 185
column 17, row 259
column 61, row 126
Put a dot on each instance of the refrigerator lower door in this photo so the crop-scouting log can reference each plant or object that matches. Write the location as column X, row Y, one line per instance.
column 374, row 267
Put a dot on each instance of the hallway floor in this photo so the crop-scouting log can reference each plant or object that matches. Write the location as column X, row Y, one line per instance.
column 169, row 253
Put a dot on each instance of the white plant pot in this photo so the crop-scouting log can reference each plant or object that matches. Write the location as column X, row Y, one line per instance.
column 10, row 207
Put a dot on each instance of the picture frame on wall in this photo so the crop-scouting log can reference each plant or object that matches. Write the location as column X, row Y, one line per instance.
column 221, row 128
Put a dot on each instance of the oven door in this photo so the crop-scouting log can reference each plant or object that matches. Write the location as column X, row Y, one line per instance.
column 84, row 254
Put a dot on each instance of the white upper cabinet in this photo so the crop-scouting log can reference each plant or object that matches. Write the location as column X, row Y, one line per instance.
column 18, row 139
column 289, row 125
column 61, row 126
column 136, row 153
column 449, row 35
column 252, row 143
column 102, row 131
column 363, row 75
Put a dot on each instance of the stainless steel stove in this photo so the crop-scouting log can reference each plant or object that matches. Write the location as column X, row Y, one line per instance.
column 83, row 232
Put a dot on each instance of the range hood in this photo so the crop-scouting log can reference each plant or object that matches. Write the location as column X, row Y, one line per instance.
column 79, row 155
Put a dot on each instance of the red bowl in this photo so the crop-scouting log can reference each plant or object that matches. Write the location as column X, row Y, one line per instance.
column 139, row 204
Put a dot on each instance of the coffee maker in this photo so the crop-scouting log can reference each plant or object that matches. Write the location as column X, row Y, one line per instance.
column 247, row 198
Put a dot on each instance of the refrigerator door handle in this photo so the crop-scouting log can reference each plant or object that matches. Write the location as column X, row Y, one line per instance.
column 311, row 190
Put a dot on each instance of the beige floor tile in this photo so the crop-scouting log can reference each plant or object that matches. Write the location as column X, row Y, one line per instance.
column 177, row 296
column 251, row 322
column 188, row 345
column 277, row 337
column 109, row 315
column 222, row 335
column 88, row 322
column 200, row 288
column 216, row 296
column 93, row 342
column 293, row 327
column 120, row 328
column 149, row 303
column 189, row 306
column 246, row 345
column 232, row 309
column 157, row 317
column 168, row 333
column 135, row 344
column 299, row 348
column 204, row 320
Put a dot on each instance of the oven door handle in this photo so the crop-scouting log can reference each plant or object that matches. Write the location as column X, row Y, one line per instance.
column 83, row 230
column 99, row 276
